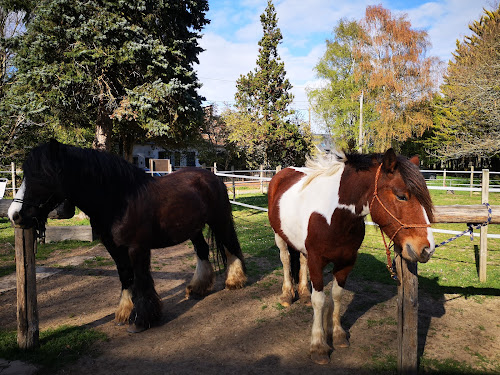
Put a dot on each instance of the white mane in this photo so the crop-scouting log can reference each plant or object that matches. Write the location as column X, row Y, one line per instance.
column 323, row 165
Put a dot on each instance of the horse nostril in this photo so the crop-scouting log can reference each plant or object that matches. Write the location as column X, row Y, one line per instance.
column 426, row 254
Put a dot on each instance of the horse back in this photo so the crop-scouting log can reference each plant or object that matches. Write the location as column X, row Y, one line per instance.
column 170, row 209
column 309, row 214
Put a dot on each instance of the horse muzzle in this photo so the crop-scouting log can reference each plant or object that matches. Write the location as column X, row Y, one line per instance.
column 20, row 221
column 423, row 257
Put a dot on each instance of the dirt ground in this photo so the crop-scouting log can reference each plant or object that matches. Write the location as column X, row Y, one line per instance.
column 246, row 331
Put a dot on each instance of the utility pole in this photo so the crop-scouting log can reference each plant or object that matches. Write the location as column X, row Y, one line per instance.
column 360, row 139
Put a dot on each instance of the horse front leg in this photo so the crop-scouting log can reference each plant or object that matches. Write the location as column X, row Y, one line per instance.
column 121, row 257
column 126, row 274
column 339, row 279
column 287, row 291
column 147, row 304
column 319, row 350
column 302, row 288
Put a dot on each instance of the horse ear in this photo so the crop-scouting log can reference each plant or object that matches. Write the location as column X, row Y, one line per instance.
column 415, row 160
column 389, row 161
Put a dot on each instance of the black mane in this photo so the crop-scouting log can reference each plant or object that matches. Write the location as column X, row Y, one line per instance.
column 410, row 173
column 89, row 178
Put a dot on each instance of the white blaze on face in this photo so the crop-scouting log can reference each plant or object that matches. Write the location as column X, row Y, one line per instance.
column 16, row 206
column 430, row 236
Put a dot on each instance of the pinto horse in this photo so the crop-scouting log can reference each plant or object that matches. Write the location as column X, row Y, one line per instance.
column 317, row 214
column 132, row 213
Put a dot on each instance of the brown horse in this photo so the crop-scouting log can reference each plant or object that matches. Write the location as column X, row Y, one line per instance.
column 318, row 212
column 133, row 213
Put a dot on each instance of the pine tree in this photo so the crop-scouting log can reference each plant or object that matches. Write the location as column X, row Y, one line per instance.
column 121, row 68
column 263, row 99
column 469, row 111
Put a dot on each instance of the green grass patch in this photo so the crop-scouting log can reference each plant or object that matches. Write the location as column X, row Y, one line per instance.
column 58, row 347
column 451, row 366
column 99, row 261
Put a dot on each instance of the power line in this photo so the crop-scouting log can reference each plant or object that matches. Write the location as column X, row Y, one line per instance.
column 232, row 81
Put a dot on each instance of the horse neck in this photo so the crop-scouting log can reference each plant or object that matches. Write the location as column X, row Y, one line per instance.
column 93, row 191
column 357, row 188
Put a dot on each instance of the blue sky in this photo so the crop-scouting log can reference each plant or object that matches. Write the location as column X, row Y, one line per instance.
column 230, row 40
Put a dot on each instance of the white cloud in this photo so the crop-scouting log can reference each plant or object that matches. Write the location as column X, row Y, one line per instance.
column 221, row 64
column 231, row 39
column 446, row 21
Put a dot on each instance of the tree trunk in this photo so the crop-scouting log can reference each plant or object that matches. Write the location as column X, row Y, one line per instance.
column 103, row 130
column 128, row 147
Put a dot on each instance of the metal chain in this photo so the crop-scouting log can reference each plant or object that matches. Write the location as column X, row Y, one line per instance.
column 470, row 228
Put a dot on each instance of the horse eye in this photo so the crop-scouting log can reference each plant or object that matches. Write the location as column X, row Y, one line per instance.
column 401, row 197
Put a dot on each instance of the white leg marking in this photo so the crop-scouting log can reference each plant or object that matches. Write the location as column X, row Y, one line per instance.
column 124, row 307
column 16, row 206
column 304, row 294
column 203, row 278
column 318, row 332
column 339, row 335
column 287, row 288
column 236, row 277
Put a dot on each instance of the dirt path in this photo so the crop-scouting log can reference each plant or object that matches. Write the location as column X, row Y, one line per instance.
column 246, row 331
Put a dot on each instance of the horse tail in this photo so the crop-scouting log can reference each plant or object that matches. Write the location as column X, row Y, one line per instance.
column 294, row 263
column 216, row 247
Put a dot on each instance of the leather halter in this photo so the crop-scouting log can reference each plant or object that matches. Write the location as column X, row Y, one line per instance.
column 401, row 225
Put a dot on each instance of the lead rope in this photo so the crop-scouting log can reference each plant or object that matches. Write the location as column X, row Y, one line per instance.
column 391, row 266
column 470, row 228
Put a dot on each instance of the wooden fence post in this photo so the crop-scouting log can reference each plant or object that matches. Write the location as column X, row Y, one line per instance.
column 27, row 310
column 483, row 242
column 215, row 167
column 444, row 177
column 407, row 316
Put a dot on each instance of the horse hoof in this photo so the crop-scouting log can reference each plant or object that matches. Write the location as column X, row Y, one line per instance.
column 305, row 300
column 134, row 328
column 286, row 300
column 320, row 353
column 340, row 339
column 320, row 358
column 340, row 343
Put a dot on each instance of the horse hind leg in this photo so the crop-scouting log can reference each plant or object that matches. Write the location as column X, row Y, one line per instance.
column 227, row 241
column 303, row 286
column 287, row 290
column 204, row 276
column 339, row 335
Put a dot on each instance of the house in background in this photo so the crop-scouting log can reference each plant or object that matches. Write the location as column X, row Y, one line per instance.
column 187, row 157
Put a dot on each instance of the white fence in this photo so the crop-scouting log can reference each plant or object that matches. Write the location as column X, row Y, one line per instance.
column 259, row 176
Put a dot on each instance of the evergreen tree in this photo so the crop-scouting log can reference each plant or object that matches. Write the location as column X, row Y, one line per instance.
column 469, row 115
column 121, row 68
column 263, row 98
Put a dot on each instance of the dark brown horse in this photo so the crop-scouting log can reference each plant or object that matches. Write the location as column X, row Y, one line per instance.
column 318, row 212
column 133, row 213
